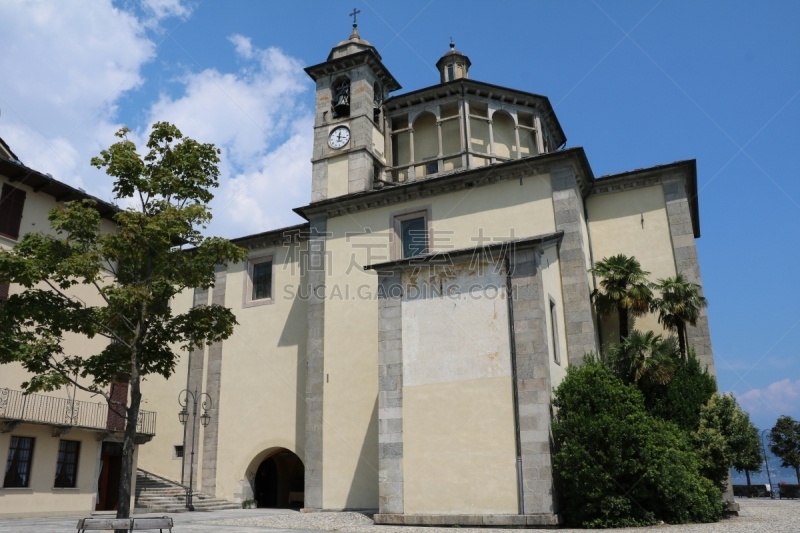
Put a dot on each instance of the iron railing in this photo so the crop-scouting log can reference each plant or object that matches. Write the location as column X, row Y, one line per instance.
column 40, row 408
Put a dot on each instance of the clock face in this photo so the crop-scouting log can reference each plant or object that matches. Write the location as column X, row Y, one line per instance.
column 339, row 137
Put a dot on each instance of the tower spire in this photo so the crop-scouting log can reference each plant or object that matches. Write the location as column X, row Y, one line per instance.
column 354, row 33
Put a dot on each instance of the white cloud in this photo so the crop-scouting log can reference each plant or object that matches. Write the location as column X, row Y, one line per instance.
column 257, row 118
column 780, row 397
column 64, row 68
column 167, row 8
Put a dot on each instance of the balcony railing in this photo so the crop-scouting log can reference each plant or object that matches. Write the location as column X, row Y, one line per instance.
column 63, row 412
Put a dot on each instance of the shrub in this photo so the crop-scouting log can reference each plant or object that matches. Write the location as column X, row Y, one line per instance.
column 682, row 398
column 617, row 466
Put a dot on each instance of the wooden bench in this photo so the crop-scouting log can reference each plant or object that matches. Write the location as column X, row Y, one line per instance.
column 129, row 524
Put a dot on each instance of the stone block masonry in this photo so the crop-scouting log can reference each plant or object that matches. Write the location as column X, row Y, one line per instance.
column 213, row 389
column 533, row 383
column 390, row 394
column 194, row 382
column 573, row 254
column 315, row 352
column 686, row 263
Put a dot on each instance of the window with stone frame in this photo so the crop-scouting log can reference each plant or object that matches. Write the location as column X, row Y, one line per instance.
column 259, row 282
column 411, row 234
column 18, row 464
column 67, row 464
column 554, row 332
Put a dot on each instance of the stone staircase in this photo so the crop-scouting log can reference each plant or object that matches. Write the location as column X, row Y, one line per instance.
column 155, row 494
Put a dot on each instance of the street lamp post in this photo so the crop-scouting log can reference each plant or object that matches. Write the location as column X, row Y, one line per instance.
column 183, row 416
column 769, row 477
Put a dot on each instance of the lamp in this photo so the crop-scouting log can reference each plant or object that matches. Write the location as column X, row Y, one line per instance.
column 205, row 418
column 183, row 416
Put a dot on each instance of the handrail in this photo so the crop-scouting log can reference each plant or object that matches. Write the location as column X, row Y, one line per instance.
column 162, row 478
column 67, row 412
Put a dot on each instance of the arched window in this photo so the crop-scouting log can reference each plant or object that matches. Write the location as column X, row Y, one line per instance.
column 377, row 97
column 426, row 144
column 504, row 136
column 340, row 101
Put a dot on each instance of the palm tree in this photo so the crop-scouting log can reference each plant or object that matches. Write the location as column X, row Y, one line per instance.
column 680, row 304
column 643, row 357
column 626, row 290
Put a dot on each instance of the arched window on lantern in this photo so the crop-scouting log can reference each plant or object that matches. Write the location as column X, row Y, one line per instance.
column 341, row 97
column 377, row 103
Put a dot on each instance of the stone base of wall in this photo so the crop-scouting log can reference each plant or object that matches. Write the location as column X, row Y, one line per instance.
column 543, row 520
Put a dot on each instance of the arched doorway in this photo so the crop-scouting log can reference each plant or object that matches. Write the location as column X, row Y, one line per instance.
column 279, row 481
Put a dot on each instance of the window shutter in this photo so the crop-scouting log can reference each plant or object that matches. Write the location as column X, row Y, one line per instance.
column 12, row 201
column 3, row 292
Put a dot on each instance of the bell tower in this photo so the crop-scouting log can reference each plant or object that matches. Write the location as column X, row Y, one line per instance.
column 349, row 142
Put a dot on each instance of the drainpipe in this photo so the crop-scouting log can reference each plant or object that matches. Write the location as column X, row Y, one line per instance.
column 514, row 387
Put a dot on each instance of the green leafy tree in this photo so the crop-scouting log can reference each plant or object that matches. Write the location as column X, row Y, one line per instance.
column 617, row 466
column 643, row 357
column 784, row 443
column 748, row 457
column 726, row 438
column 625, row 290
column 679, row 304
column 683, row 397
column 135, row 270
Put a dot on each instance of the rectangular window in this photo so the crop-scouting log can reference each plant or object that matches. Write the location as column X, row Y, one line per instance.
column 258, row 288
column 450, row 74
column 554, row 332
column 178, row 452
column 18, row 465
column 3, row 292
column 262, row 280
column 12, row 201
column 413, row 237
column 67, row 465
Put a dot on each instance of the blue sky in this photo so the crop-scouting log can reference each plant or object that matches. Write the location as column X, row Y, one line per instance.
column 635, row 83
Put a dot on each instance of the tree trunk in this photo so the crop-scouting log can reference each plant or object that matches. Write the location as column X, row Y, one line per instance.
column 682, row 340
column 623, row 322
column 747, row 473
column 128, row 445
column 797, row 473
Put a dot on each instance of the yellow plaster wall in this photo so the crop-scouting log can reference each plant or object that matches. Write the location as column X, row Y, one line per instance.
column 378, row 142
column 505, row 139
column 35, row 220
column 350, row 462
column 448, row 449
column 40, row 498
column 426, row 137
column 615, row 223
column 338, row 175
column 551, row 280
column 161, row 395
column 262, row 404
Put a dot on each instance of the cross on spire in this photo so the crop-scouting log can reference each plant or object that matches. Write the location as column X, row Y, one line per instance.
column 354, row 14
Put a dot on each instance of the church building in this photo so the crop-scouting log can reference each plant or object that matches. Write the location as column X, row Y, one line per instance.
column 397, row 351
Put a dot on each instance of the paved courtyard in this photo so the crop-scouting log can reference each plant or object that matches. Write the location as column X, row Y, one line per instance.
column 773, row 516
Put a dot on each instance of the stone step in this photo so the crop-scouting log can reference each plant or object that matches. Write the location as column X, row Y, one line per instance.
column 156, row 495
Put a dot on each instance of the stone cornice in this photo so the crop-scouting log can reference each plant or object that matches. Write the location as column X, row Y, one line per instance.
column 274, row 237
column 368, row 57
column 467, row 87
column 459, row 180
column 685, row 171
column 445, row 258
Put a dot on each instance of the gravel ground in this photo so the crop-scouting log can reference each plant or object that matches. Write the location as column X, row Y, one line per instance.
column 774, row 516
